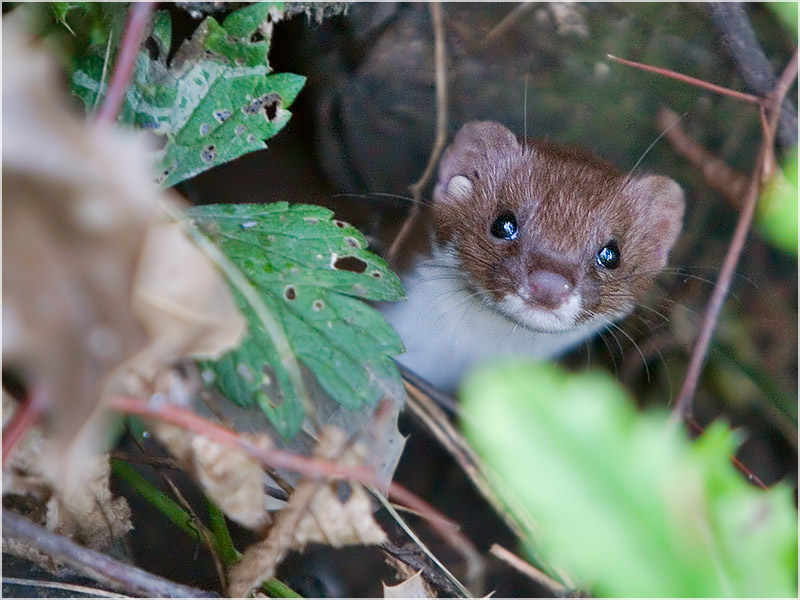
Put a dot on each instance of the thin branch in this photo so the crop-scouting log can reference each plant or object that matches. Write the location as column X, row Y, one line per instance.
column 272, row 457
column 752, row 477
column 94, row 564
column 751, row 62
column 58, row 585
column 25, row 417
column 770, row 111
column 420, row 544
column 717, row 175
column 441, row 131
column 123, row 70
column 505, row 24
column 690, row 80
column 529, row 570
column 275, row 458
column 515, row 516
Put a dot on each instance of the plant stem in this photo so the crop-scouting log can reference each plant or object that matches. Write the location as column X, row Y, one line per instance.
column 222, row 537
column 219, row 528
column 123, row 71
column 157, row 498
column 277, row 589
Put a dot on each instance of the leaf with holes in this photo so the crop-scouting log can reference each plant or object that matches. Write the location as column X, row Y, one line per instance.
column 311, row 273
column 214, row 102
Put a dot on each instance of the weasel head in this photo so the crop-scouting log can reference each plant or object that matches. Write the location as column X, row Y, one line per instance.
column 551, row 237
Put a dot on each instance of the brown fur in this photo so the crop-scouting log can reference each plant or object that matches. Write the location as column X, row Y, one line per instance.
column 568, row 205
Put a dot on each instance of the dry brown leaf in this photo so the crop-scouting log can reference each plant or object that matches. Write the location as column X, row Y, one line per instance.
column 230, row 477
column 88, row 513
column 78, row 198
column 79, row 204
column 182, row 301
column 314, row 513
column 413, row 587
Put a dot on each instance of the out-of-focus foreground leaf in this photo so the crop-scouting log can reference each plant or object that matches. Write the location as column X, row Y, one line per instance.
column 215, row 101
column 309, row 272
column 777, row 207
column 626, row 503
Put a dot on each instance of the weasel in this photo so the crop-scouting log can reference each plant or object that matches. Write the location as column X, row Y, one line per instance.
column 537, row 247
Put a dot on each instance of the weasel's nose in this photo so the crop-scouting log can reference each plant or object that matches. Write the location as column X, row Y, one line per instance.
column 549, row 289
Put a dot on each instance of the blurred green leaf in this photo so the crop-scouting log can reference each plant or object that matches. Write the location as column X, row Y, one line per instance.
column 310, row 271
column 787, row 13
column 627, row 504
column 777, row 207
column 214, row 102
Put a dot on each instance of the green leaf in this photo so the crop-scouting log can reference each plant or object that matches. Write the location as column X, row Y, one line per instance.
column 624, row 501
column 215, row 102
column 311, row 273
column 777, row 206
column 787, row 13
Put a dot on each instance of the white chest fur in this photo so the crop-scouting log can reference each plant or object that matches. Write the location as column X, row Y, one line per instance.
column 448, row 328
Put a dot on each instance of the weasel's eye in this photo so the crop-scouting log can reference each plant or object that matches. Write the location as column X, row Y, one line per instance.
column 608, row 256
column 505, row 227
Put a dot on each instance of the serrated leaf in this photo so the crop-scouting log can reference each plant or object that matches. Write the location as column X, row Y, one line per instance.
column 215, row 102
column 629, row 505
column 312, row 273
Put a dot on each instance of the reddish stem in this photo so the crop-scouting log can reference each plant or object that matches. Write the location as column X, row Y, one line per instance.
column 274, row 458
column 123, row 70
column 736, row 462
column 25, row 418
column 770, row 110
column 690, row 80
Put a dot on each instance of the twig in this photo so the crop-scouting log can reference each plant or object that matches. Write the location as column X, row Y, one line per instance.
column 26, row 417
column 94, row 564
column 751, row 61
column 718, row 175
column 736, row 462
column 123, row 70
column 415, row 538
column 58, row 585
column 441, row 131
column 528, row 569
column 274, row 458
column 517, row 519
column 505, row 24
column 765, row 161
column 691, row 80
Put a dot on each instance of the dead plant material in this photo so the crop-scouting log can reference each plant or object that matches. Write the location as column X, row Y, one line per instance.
column 87, row 231
column 88, row 512
column 413, row 587
column 229, row 476
column 315, row 513
column 528, row 570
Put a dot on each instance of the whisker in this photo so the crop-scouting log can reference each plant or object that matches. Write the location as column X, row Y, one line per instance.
column 650, row 147
column 635, row 345
column 372, row 196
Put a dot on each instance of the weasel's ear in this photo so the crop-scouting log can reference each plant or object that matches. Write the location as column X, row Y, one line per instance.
column 660, row 206
column 475, row 152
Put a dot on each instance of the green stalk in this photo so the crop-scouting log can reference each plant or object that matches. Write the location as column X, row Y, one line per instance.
column 222, row 537
column 157, row 498
column 277, row 589
column 219, row 528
